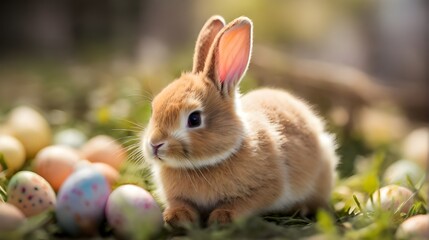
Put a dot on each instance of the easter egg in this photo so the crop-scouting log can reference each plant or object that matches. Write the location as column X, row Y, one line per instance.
column 10, row 217
column 30, row 193
column 55, row 164
column 81, row 202
column 392, row 198
column 13, row 153
column 415, row 227
column 70, row 137
column 377, row 126
column 416, row 146
column 30, row 128
column 104, row 149
column 111, row 174
column 133, row 213
column 399, row 172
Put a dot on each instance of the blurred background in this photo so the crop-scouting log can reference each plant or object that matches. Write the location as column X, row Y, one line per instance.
column 95, row 65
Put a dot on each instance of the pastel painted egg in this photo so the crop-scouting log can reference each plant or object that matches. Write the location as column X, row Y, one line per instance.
column 392, row 198
column 415, row 227
column 13, row 153
column 10, row 217
column 81, row 202
column 111, row 174
column 104, row 149
column 30, row 193
column 55, row 164
column 399, row 172
column 30, row 128
column 133, row 213
column 70, row 137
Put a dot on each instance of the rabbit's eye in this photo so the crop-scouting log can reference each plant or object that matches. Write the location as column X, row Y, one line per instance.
column 194, row 119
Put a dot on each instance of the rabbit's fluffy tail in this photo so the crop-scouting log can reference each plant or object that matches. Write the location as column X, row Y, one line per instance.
column 328, row 146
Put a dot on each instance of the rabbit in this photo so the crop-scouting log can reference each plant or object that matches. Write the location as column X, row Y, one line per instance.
column 217, row 156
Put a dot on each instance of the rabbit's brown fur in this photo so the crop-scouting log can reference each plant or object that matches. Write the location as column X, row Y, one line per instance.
column 264, row 151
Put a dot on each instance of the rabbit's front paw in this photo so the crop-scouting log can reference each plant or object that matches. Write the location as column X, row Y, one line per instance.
column 180, row 216
column 220, row 216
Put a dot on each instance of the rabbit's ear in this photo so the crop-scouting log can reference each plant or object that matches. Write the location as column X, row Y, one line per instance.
column 230, row 55
column 205, row 39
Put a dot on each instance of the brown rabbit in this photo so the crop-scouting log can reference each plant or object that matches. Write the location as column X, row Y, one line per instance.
column 217, row 156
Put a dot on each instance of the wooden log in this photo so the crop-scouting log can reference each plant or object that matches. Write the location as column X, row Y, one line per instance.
column 334, row 82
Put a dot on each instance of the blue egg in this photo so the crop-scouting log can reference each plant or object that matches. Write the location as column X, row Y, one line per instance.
column 81, row 202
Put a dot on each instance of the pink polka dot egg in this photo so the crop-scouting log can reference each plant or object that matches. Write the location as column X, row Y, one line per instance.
column 81, row 202
column 132, row 212
column 30, row 193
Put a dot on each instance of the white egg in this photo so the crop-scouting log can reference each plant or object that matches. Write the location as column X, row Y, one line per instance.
column 70, row 137
column 416, row 146
column 400, row 171
column 415, row 227
column 394, row 198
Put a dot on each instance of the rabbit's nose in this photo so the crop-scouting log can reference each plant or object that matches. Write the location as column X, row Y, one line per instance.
column 155, row 148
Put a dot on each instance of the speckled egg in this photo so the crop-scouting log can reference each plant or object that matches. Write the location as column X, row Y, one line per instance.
column 10, row 217
column 132, row 212
column 81, row 202
column 104, row 149
column 55, row 164
column 392, row 198
column 30, row 193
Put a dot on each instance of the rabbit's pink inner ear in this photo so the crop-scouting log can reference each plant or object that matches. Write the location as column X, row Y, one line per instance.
column 234, row 53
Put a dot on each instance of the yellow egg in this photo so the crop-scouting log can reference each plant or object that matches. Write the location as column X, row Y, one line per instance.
column 104, row 149
column 111, row 174
column 379, row 127
column 30, row 128
column 13, row 153
column 10, row 217
column 55, row 164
